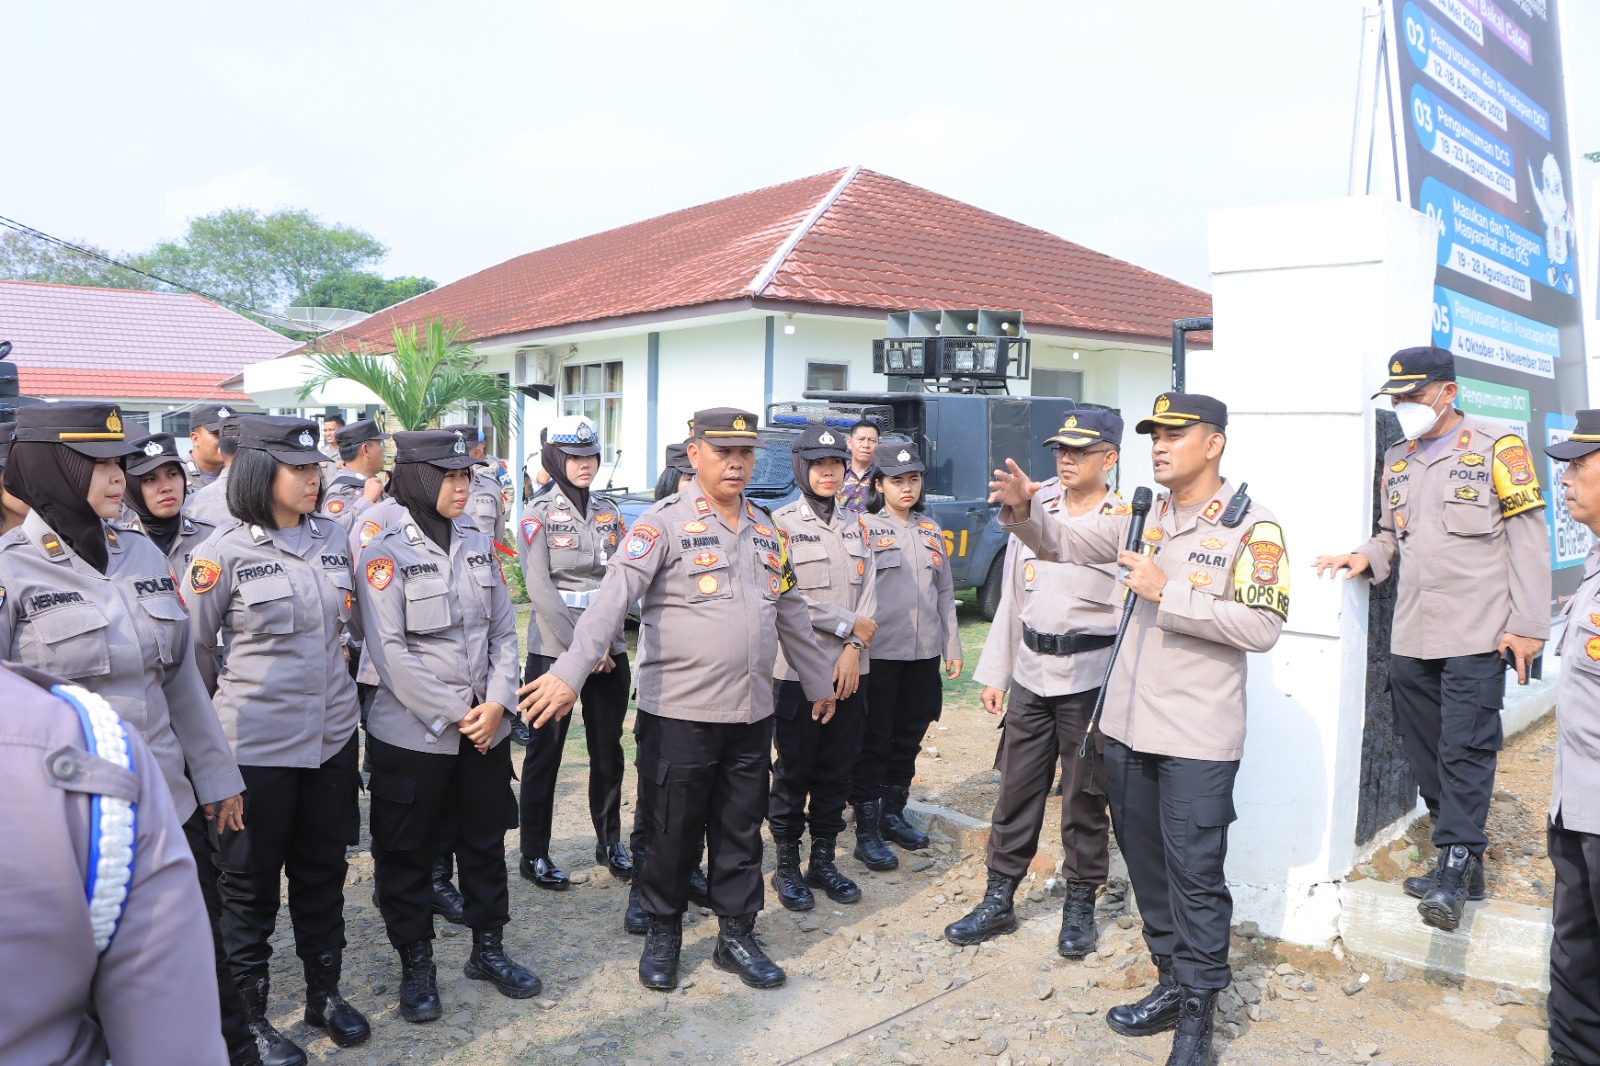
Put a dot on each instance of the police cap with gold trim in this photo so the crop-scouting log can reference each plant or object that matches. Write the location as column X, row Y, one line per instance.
column 152, row 451
column 287, row 439
column 1584, row 439
column 92, row 429
column 443, row 448
column 1082, row 427
column 727, row 426
column 1412, row 368
column 1184, row 409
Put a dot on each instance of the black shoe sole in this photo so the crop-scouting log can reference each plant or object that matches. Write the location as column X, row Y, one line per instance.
column 660, row 986
column 1084, row 954
column 911, row 845
column 1439, row 916
column 338, row 1039
column 637, row 927
column 1140, row 1031
column 799, row 906
column 478, row 973
column 978, row 938
column 732, row 967
column 620, row 875
column 548, row 886
column 853, row 896
column 427, row 1014
column 878, row 867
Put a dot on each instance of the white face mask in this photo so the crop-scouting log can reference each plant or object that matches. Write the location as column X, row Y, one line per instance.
column 1415, row 418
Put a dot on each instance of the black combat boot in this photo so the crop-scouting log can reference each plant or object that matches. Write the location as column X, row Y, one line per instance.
column 419, row 983
column 1417, row 887
column 870, row 848
column 823, row 874
column 894, row 822
column 1155, row 1013
column 634, row 919
column 1561, row 1060
column 663, row 942
column 738, row 951
column 1079, row 934
column 1442, row 906
column 489, row 962
column 520, row 731
column 447, row 902
column 1191, row 1045
column 992, row 915
column 325, row 1007
column 786, row 880
column 699, row 888
column 274, row 1048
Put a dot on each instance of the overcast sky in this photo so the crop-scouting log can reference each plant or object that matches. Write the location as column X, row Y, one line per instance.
column 461, row 134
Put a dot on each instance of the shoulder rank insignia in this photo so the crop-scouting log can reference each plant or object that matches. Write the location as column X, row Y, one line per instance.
column 1515, row 481
column 1464, row 440
column 52, row 546
column 1261, row 574
column 1213, row 509
column 413, row 534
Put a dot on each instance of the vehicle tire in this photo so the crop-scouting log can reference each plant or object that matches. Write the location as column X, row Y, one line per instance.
column 989, row 591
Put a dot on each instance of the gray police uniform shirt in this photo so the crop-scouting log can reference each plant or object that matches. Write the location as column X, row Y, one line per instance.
column 66, row 1003
column 716, row 602
column 373, row 520
column 192, row 532
column 833, row 573
column 1052, row 598
column 564, row 553
column 916, row 613
column 1178, row 686
column 345, row 499
column 1468, row 524
column 211, row 502
column 485, row 506
column 441, row 634
column 284, row 691
column 198, row 479
column 1575, row 791
column 125, row 635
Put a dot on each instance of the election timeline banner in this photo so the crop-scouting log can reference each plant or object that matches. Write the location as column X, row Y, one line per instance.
column 1484, row 148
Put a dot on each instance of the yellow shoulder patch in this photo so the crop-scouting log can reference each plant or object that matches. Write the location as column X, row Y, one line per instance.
column 1515, row 480
column 786, row 578
column 1261, row 574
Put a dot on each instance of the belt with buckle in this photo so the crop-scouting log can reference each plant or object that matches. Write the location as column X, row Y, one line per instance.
column 579, row 600
column 1063, row 643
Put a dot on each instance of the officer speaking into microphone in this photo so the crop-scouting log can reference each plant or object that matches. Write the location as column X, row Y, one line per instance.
column 716, row 596
column 1215, row 588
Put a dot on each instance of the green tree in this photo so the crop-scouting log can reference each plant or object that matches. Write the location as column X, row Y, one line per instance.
column 365, row 291
column 24, row 257
column 261, row 261
column 429, row 374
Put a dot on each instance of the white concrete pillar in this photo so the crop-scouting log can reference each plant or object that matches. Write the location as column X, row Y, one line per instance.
column 1309, row 301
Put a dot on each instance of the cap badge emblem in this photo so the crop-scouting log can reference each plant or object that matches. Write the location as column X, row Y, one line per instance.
column 460, row 446
column 1396, row 368
column 826, row 438
column 152, row 448
column 224, row 412
column 584, row 434
column 1072, row 421
column 114, row 421
column 305, row 439
column 739, row 423
column 903, row 457
column 1162, row 403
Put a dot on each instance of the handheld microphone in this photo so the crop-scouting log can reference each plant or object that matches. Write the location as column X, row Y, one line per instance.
column 1142, row 499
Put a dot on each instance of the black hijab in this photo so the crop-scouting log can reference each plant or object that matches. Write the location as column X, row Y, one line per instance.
column 164, row 531
column 555, row 464
column 415, row 486
column 54, row 480
column 823, row 506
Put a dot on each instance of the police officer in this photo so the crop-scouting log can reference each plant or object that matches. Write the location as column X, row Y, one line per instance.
column 717, row 595
column 156, row 492
column 354, row 486
column 916, row 617
column 676, row 471
column 486, row 507
column 1174, row 712
column 566, row 538
column 834, row 575
column 99, row 607
column 278, row 584
column 1574, row 831
column 331, row 425
column 441, row 632
column 1462, row 512
column 210, row 502
column 12, row 510
column 205, row 463
column 1050, row 645
column 84, row 801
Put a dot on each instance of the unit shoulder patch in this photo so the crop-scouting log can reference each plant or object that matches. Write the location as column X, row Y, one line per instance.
column 1261, row 574
column 1515, row 480
column 204, row 574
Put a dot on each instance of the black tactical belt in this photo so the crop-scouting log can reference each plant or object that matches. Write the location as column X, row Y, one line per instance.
column 1063, row 643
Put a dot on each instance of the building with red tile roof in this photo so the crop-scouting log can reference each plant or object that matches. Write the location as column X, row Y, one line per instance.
column 156, row 354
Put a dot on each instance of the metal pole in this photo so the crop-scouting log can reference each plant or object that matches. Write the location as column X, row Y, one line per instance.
column 1180, row 352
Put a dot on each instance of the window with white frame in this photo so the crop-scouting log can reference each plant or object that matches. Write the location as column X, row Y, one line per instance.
column 827, row 377
column 594, row 390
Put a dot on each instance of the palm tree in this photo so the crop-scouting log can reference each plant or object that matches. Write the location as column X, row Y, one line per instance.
column 429, row 374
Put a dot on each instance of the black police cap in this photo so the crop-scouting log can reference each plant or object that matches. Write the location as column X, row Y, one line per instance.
column 821, row 442
column 1081, row 427
column 897, row 457
column 286, row 439
column 1184, row 409
column 210, row 415
column 727, row 426
column 358, row 432
column 442, row 448
column 150, row 452
column 678, row 459
column 92, row 429
column 1412, row 368
column 469, row 432
column 1584, row 439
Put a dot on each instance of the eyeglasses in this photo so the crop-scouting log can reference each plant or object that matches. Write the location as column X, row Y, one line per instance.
column 1078, row 455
